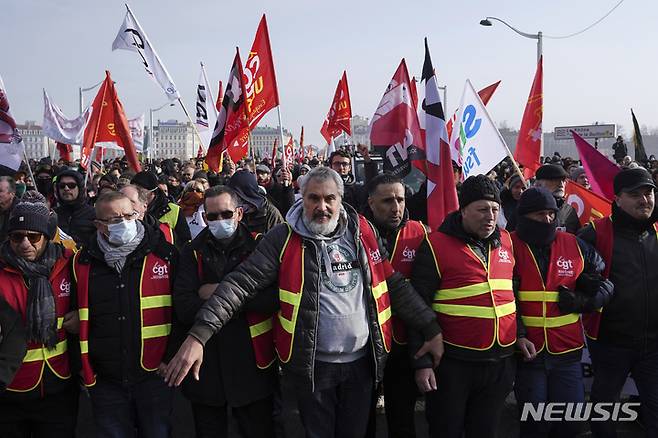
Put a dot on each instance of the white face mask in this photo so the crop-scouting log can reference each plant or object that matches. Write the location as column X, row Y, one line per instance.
column 223, row 228
column 123, row 232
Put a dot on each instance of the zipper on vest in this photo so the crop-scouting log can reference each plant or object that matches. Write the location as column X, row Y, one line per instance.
column 317, row 313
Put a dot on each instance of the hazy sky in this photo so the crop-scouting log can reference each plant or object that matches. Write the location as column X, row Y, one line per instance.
column 597, row 76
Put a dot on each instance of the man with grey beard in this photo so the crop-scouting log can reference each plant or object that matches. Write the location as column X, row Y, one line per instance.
column 336, row 292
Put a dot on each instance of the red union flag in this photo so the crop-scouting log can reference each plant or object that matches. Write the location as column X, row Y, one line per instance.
column 108, row 123
column 340, row 114
column 259, row 77
column 231, row 131
column 587, row 204
column 528, row 145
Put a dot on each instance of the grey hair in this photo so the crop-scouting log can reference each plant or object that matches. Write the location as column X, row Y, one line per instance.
column 321, row 174
column 216, row 191
column 142, row 193
column 10, row 181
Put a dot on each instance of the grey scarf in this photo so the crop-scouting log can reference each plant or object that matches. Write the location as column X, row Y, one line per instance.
column 41, row 313
column 115, row 256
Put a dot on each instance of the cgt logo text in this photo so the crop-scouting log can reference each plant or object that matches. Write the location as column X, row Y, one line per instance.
column 160, row 271
column 579, row 411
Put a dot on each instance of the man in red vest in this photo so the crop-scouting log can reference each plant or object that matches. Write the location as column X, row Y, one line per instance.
column 557, row 276
column 465, row 270
column 239, row 370
column 123, row 281
column 624, row 334
column 42, row 399
column 336, row 294
column 401, row 236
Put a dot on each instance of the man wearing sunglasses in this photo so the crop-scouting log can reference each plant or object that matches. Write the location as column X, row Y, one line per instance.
column 239, row 370
column 74, row 214
column 123, row 281
column 42, row 399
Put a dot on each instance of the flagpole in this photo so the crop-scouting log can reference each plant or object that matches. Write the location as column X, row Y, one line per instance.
column 196, row 131
column 27, row 161
column 90, row 165
column 278, row 111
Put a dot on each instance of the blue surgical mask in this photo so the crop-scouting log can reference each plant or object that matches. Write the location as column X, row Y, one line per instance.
column 123, row 232
column 222, row 228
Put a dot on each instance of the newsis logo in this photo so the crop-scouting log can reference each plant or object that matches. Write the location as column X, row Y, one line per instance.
column 560, row 411
column 160, row 271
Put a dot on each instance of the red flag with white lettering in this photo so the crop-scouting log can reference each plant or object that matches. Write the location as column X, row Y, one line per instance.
column 528, row 144
column 108, row 123
column 259, row 76
column 587, row 204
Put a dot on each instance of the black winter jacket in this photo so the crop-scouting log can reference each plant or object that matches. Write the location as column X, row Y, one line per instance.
column 229, row 374
column 114, row 312
column 630, row 319
column 261, row 270
column 263, row 219
column 567, row 217
column 13, row 344
column 159, row 207
column 426, row 280
column 282, row 197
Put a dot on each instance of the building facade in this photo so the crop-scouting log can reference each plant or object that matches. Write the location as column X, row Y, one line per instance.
column 37, row 145
column 172, row 138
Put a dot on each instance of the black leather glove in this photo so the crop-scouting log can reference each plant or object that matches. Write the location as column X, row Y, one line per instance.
column 569, row 301
column 589, row 284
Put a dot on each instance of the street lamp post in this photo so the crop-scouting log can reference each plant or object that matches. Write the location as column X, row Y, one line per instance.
column 535, row 36
column 151, row 145
column 80, row 95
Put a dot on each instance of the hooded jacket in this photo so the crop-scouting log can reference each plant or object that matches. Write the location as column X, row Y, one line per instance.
column 75, row 218
column 161, row 206
column 261, row 270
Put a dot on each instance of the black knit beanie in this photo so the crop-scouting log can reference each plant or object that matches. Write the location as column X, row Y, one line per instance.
column 536, row 199
column 476, row 188
column 31, row 213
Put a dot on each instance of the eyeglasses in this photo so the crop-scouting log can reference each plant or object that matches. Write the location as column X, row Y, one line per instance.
column 341, row 164
column 70, row 185
column 226, row 214
column 32, row 237
column 117, row 219
column 198, row 190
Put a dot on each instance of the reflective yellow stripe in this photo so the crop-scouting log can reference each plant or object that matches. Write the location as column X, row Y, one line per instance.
column 83, row 314
column 474, row 289
column 289, row 297
column 36, row 354
column 539, row 296
column 156, row 301
column 384, row 316
column 84, row 347
column 60, row 322
column 260, row 328
column 550, row 322
column 380, row 289
column 475, row 311
column 287, row 325
column 155, row 331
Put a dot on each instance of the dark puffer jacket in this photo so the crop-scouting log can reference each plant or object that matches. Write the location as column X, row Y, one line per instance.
column 261, row 270
column 75, row 218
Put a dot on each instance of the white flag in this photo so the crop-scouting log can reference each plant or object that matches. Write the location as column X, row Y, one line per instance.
column 132, row 37
column 11, row 143
column 202, row 95
column 136, row 126
column 481, row 145
column 58, row 127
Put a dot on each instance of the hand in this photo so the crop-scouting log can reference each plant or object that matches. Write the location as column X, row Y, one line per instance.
column 589, row 283
column 206, row 290
column 434, row 347
column 425, row 380
column 230, row 164
column 162, row 369
column 568, row 301
column 286, row 177
column 189, row 356
column 527, row 348
column 363, row 150
column 72, row 322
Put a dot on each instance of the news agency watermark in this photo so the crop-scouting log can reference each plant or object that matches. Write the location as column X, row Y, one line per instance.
column 584, row 411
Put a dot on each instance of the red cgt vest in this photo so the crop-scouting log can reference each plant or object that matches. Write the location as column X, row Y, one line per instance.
column 546, row 325
column 475, row 305
column 402, row 258
column 291, row 286
column 260, row 327
column 14, row 291
column 167, row 231
column 155, row 312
